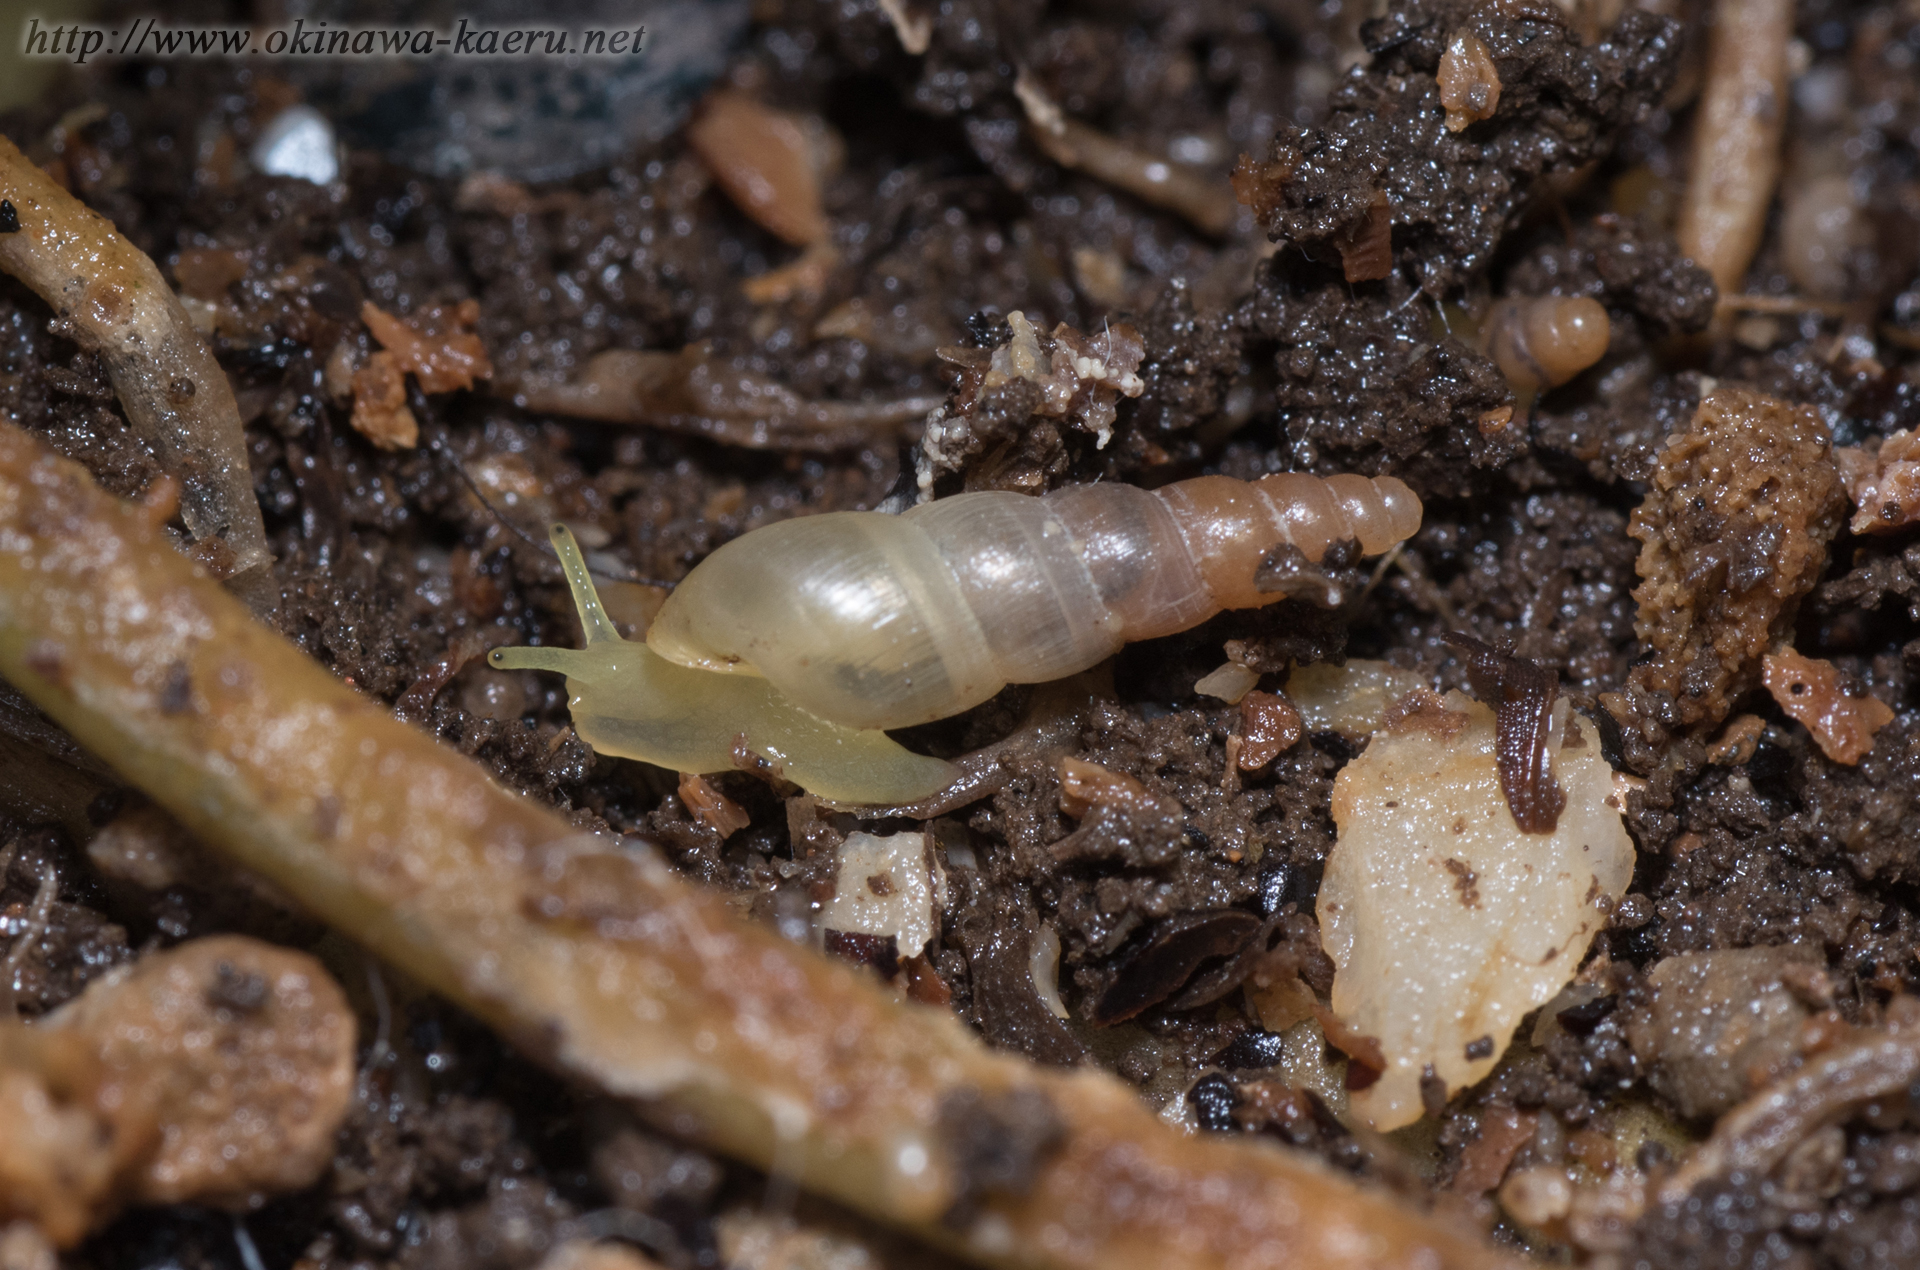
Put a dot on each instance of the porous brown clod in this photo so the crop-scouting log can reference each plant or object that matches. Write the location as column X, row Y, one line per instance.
column 1720, row 1021
column 214, row 1073
column 1733, row 534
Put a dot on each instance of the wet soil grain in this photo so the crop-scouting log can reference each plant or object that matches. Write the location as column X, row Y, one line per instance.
column 1333, row 326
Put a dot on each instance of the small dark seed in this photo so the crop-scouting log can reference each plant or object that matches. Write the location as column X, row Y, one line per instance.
column 1213, row 1098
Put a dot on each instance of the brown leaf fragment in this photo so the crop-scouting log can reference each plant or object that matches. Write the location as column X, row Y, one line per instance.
column 437, row 346
column 1269, row 727
column 380, row 412
column 1366, row 252
column 1175, row 954
column 1469, row 84
column 1521, row 693
column 762, row 159
column 1810, row 690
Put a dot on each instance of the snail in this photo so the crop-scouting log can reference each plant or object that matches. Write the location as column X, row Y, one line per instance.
column 1542, row 342
column 802, row 640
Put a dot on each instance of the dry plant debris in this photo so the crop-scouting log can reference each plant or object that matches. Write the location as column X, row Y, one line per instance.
column 1884, row 482
column 214, row 1073
column 598, row 959
column 173, row 391
column 695, row 392
column 890, row 887
column 1733, row 533
column 1445, row 920
column 437, row 346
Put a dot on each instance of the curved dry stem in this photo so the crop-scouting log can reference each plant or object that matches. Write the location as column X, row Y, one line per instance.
column 1205, row 201
column 1736, row 141
column 602, row 962
column 175, row 394
column 690, row 391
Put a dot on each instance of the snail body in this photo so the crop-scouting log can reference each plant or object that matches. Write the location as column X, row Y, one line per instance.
column 804, row 639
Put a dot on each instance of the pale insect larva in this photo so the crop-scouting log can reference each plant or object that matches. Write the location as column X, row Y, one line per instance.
column 1541, row 342
column 800, row 641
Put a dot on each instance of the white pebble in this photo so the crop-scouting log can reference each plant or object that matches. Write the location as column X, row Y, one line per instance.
column 298, row 142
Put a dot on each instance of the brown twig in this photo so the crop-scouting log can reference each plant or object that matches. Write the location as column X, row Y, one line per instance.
column 601, row 961
column 175, row 394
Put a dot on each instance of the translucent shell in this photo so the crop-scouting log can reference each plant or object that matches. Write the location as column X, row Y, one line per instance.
column 1545, row 341
column 889, row 621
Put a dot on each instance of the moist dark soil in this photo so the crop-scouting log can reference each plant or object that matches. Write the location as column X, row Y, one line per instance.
column 397, row 568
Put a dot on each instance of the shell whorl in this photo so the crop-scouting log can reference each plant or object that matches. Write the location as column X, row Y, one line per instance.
column 887, row 621
column 1543, row 341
